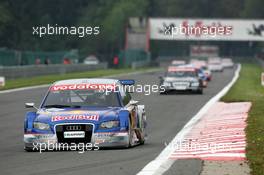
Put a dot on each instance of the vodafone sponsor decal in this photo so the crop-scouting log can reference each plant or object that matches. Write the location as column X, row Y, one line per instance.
column 82, row 87
column 74, row 117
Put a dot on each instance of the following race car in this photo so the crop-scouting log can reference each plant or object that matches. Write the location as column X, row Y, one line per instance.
column 207, row 73
column 201, row 73
column 96, row 111
column 199, row 64
column 181, row 79
column 227, row 63
column 203, row 76
column 215, row 64
column 178, row 62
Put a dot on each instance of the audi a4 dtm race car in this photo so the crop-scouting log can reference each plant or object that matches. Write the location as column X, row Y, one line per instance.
column 201, row 73
column 202, row 65
column 178, row 62
column 181, row 79
column 97, row 111
column 215, row 64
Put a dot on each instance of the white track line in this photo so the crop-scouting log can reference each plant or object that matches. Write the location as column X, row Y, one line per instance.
column 47, row 85
column 24, row 88
column 162, row 163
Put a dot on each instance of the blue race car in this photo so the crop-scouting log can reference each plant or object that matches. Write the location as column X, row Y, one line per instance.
column 100, row 112
column 201, row 73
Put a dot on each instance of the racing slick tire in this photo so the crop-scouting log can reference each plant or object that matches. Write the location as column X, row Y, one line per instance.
column 164, row 93
column 28, row 149
column 130, row 135
column 142, row 132
column 200, row 91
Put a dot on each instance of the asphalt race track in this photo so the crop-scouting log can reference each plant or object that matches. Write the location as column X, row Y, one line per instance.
column 167, row 114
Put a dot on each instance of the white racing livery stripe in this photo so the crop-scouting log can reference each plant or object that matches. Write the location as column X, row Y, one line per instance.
column 24, row 88
column 163, row 162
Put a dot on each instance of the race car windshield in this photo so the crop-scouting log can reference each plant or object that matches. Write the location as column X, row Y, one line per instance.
column 80, row 98
column 180, row 74
column 215, row 63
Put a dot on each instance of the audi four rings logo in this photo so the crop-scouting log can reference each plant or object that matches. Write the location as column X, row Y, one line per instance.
column 74, row 128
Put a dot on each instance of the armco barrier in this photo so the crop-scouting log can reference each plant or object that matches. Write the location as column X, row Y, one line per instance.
column 13, row 72
column 10, row 57
column 141, row 64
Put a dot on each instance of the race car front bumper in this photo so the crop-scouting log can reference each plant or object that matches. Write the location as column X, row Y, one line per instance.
column 99, row 140
column 181, row 88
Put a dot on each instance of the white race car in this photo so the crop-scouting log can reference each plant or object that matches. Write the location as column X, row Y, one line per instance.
column 215, row 64
column 178, row 62
column 227, row 63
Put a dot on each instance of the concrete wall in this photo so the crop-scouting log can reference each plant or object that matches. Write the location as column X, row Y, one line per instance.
column 13, row 72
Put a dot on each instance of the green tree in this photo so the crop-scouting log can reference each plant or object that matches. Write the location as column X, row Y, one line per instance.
column 253, row 9
column 111, row 16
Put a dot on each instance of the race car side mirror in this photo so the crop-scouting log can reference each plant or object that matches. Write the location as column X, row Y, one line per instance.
column 30, row 105
column 133, row 102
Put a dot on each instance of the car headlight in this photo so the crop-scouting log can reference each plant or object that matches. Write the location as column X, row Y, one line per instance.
column 165, row 83
column 195, row 84
column 41, row 126
column 109, row 124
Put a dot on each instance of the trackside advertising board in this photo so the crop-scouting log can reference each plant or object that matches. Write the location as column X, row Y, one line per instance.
column 262, row 78
column 2, row 81
column 204, row 51
column 206, row 29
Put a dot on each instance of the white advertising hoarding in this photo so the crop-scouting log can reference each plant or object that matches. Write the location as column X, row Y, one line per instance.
column 2, row 81
column 204, row 51
column 206, row 29
column 262, row 78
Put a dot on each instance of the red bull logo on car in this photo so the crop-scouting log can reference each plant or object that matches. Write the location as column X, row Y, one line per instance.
column 75, row 117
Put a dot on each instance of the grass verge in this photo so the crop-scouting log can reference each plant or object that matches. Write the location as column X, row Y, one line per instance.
column 48, row 79
column 248, row 88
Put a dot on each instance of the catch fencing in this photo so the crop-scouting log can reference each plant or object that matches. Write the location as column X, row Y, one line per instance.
column 15, row 58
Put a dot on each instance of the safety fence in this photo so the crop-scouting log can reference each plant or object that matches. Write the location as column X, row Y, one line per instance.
column 132, row 56
column 12, row 72
column 15, row 58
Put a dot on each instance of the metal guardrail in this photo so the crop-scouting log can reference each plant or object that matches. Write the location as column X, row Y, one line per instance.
column 13, row 72
column 141, row 64
column 261, row 62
